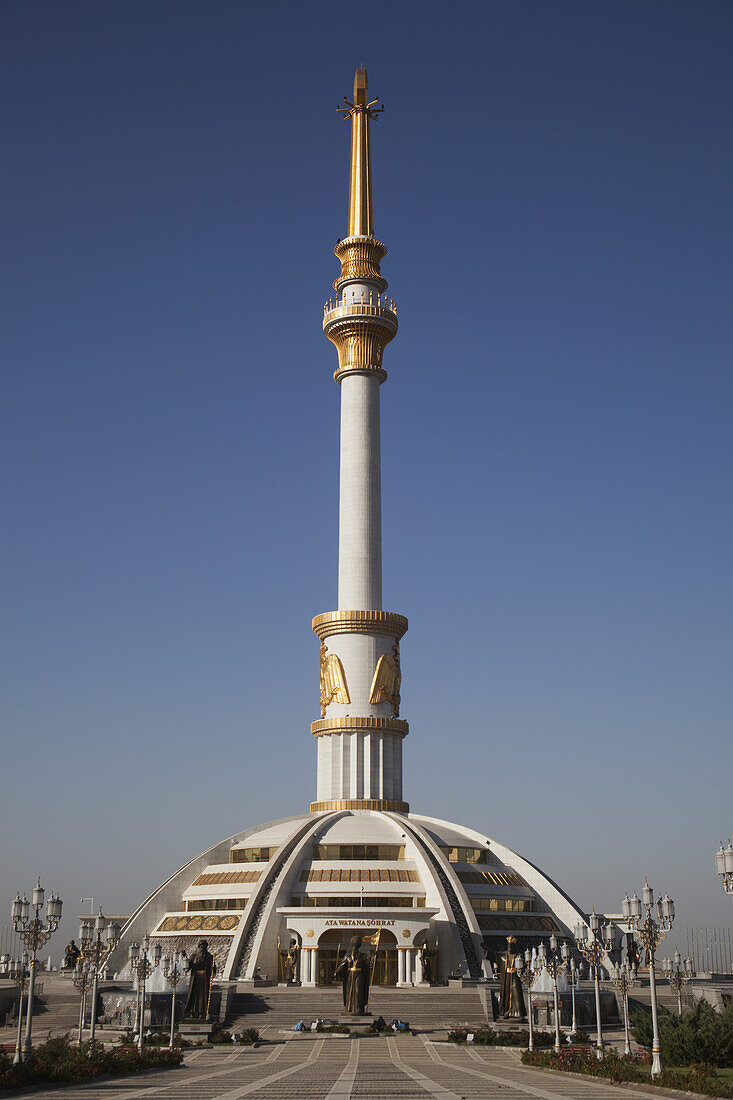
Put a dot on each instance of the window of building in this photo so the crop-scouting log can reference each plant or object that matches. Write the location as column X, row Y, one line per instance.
column 222, row 878
column 496, row 878
column 325, row 901
column 358, row 874
column 202, row 904
column 359, row 851
column 465, row 855
column 252, row 855
column 506, row 905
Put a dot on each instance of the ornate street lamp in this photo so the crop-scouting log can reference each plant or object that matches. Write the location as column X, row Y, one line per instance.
column 724, row 866
column 651, row 933
column 527, row 974
column 594, row 947
column 554, row 964
column 623, row 980
column 17, row 971
column 173, row 970
column 82, row 978
column 678, row 974
column 573, row 978
column 142, row 967
column 97, row 953
column 34, row 934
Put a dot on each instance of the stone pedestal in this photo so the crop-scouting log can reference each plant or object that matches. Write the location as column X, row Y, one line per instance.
column 195, row 1029
column 357, row 1023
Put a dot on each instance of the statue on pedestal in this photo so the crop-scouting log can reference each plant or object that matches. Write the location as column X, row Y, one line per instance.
column 354, row 972
column 632, row 952
column 71, row 956
column 511, row 1001
column 428, row 959
column 290, row 962
column 202, row 969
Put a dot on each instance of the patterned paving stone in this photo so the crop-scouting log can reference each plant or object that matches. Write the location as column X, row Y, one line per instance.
column 384, row 1068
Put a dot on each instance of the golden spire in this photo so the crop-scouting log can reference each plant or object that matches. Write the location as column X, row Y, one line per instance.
column 360, row 185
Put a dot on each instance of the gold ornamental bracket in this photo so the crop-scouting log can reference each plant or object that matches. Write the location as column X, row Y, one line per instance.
column 388, row 623
column 387, row 680
column 332, row 680
column 361, row 112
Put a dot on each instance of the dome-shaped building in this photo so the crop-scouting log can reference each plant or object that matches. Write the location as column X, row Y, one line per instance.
column 440, row 899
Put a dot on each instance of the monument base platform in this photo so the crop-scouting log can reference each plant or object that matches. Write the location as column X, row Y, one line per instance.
column 357, row 1023
column 195, row 1027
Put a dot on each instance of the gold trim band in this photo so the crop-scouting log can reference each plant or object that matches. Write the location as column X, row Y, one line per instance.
column 359, row 622
column 349, row 725
column 360, row 804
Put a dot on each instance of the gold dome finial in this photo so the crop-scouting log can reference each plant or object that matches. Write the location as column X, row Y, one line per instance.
column 360, row 184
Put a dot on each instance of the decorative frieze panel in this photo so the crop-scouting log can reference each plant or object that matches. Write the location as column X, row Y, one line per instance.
column 214, row 922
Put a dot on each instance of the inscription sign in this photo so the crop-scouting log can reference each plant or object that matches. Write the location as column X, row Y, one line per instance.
column 355, row 922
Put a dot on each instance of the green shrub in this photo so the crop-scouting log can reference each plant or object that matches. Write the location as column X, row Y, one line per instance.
column 219, row 1035
column 635, row 1067
column 250, row 1035
column 58, row 1061
column 700, row 1036
column 486, row 1036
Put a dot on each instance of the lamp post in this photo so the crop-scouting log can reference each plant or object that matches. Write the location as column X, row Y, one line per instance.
column 724, row 866
column 173, row 970
column 651, row 933
column 92, row 949
column 554, row 964
column 623, row 979
column 17, row 971
column 572, row 972
column 82, row 978
column 678, row 974
column 527, row 974
column 34, row 934
column 594, row 947
column 142, row 967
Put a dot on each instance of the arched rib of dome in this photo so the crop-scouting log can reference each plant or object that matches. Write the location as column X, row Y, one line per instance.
column 423, row 840
column 167, row 896
column 275, row 883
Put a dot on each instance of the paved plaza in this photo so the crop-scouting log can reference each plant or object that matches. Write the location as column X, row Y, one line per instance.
column 404, row 1068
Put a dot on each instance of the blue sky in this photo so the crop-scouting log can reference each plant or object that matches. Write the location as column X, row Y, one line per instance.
column 553, row 181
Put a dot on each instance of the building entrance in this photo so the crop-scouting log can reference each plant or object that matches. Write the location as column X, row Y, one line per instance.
column 334, row 945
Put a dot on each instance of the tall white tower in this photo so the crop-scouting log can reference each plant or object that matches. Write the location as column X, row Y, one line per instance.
column 360, row 731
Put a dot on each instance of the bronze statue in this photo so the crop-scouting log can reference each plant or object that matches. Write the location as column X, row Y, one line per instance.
column 511, row 1001
column 71, row 956
column 354, row 972
column 290, row 962
column 632, row 952
column 202, row 969
column 427, row 960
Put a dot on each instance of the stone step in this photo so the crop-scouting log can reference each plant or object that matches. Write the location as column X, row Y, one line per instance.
column 429, row 1007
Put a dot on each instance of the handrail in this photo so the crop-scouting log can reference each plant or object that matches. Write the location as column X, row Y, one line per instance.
column 346, row 309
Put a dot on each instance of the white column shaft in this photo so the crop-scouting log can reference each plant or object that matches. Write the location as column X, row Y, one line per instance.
column 360, row 502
